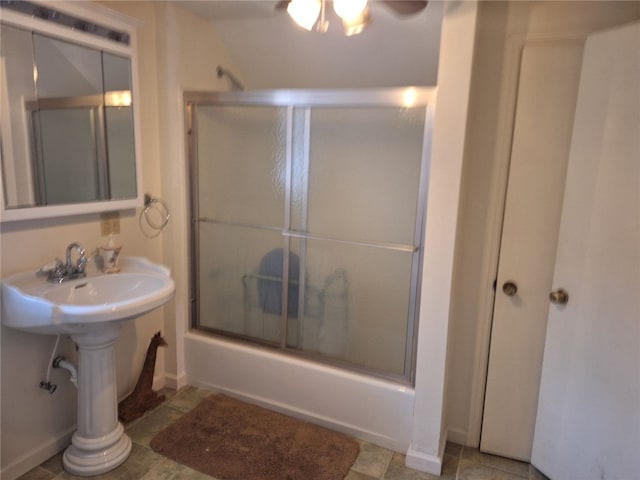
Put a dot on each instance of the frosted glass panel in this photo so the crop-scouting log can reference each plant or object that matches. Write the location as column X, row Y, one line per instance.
column 117, row 72
column 241, row 162
column 356, row 304
column 119, row 125
column 121, row 152
column 299, row 168
column 69, row 155
column 364, row 173
column 229, row 281
column 336, row 280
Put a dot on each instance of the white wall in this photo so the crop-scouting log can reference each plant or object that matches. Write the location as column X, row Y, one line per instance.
column 503, row 27
column 454, row 83
column 272, row 52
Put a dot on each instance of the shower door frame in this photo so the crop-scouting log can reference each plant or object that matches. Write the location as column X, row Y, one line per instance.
column 405, row 97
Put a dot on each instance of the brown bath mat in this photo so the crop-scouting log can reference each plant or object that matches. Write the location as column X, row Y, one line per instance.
column 233, row 440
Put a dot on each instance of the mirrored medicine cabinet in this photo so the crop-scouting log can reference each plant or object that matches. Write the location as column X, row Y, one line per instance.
column 68, row 115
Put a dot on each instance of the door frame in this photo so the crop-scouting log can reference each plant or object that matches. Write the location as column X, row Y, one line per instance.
column 510, row 76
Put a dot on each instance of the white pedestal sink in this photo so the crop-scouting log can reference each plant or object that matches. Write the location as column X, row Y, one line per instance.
column 91, row 310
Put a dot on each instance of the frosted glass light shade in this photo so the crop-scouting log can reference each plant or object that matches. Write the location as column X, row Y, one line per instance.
column 356, row 25
column 304, row 12
column 349, row 10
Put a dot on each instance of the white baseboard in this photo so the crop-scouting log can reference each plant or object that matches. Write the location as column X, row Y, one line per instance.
column 175, row 381
column 456, row 435
column 423, row 462
column 159, row 382
column 36, row 456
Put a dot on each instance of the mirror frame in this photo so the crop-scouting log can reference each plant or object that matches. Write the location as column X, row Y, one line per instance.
column 102, row 16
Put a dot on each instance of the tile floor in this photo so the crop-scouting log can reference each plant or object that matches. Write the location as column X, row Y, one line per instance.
column 373, row 462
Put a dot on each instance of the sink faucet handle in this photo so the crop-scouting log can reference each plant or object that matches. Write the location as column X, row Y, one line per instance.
column 53, row 271
column 58, row 268
column 49, row 267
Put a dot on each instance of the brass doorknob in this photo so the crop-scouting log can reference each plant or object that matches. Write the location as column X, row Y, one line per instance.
column 559, row 297
column 510, row 288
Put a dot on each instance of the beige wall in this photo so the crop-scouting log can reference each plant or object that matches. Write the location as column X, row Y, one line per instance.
column 34, row 423
column 177, row 51
column 188, row 53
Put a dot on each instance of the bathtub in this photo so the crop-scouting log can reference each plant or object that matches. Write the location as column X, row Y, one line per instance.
column 371, row 409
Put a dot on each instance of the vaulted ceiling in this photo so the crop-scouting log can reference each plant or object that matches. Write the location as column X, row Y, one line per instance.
column 272, row 52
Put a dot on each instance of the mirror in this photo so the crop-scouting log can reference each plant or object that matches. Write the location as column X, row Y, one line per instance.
column 67, row 124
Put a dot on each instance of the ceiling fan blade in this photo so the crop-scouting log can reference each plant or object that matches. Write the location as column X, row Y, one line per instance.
column 406, row 7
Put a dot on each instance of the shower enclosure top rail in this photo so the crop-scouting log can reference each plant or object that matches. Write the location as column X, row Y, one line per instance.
column 402, row 97
column 399, row 247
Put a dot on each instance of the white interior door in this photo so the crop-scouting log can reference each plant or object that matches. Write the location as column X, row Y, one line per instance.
column 547, row 92
column 588, row 422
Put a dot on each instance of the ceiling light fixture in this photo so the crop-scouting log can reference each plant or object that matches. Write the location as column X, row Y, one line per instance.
column 309, row 13
column 356, row 25
column 349, row 9
column 304, row 12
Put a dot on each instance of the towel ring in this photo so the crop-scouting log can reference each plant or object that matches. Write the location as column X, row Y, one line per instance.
column 156, row 215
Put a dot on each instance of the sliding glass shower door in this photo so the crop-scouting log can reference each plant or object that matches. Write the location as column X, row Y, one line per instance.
column 307, row 212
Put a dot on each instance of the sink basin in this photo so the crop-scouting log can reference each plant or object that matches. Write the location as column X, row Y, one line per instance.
column 31, row 303
column 91, row 310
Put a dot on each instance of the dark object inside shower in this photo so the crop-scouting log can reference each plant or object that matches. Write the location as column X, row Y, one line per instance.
column 270, row 283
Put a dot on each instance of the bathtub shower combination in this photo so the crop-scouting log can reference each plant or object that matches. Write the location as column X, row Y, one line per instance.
column 323, row 192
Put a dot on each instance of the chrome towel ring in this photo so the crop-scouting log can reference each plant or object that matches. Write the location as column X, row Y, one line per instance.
column 153, row 217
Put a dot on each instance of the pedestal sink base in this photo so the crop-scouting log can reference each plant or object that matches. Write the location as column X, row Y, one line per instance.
column 86, row 457
column 99, row 444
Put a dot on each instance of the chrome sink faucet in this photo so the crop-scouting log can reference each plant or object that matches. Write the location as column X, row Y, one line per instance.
column 67, row 271
column 78, row 268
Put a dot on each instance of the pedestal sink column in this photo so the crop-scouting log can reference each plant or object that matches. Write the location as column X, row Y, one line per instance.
column 99, row 444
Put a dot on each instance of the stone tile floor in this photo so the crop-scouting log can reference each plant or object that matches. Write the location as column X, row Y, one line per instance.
column 373, row 462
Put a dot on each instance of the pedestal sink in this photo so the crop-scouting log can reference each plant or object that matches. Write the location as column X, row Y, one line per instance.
column 91, row 310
